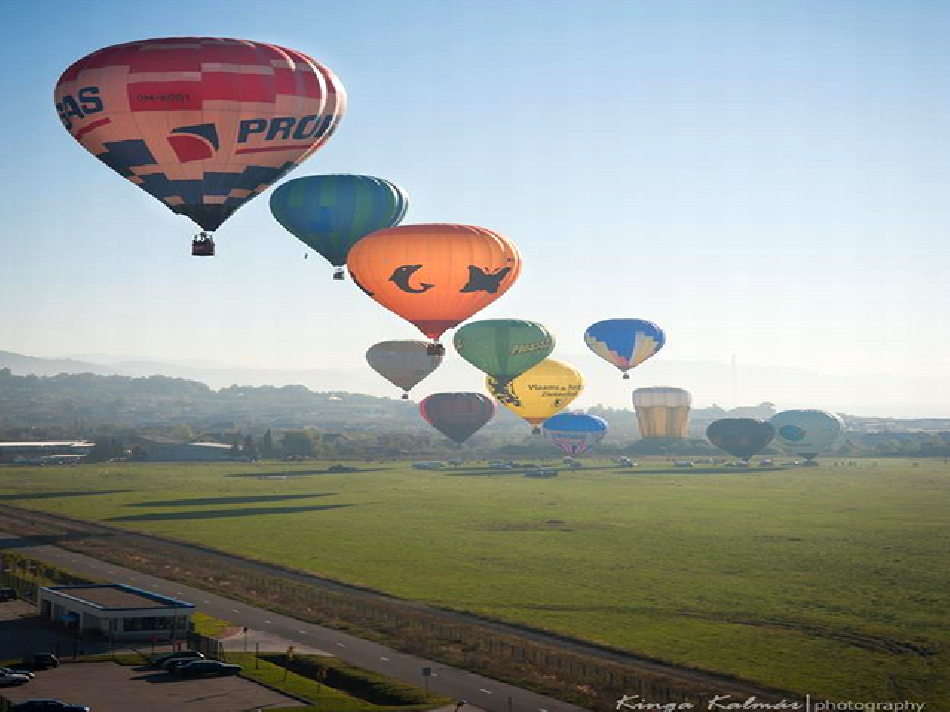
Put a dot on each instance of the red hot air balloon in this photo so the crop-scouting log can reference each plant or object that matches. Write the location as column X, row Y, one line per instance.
column 458, row 416
column 203, row 124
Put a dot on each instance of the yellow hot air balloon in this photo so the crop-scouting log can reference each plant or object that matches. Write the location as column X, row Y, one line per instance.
column 662, row 412
column 539, row 392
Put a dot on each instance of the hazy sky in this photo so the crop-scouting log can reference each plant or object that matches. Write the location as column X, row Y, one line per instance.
column 766, row 179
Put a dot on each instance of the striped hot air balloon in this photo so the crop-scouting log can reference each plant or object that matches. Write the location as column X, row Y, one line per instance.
column 203, row 124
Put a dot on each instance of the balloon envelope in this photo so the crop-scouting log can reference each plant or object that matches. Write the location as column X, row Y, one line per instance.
column 329, row 213
column 458, row 416
column 624, row 342
column 204, row 124
column 575, row 433
column 662, row 411
column 539, row 392
column 740, row 437
column 403, row 363
column 503, row 348
column 806, row 432
column 434, row 276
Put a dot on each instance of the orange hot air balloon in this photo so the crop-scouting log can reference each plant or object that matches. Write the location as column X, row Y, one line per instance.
column 434, row 276
column 203, row 124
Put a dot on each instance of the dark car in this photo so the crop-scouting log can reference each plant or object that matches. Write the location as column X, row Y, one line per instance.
column 7, row 594
column 206, row 667
column 40, row 661
column 162, row 660
column 48, row 706
column 175, row 663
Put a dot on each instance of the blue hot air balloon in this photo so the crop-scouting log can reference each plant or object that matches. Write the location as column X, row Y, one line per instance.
column 625, row 343
column 575, row 433
column 329, row 213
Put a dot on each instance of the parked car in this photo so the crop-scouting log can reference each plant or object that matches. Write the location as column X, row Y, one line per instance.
column 16, row 671
column 9, row 679
column 175, row 663
column 7, row 594
column 161, row 660
column 48, row 706
column 206, row 667
column 40, row 661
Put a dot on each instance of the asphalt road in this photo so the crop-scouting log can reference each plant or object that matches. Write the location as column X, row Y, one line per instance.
column 479, row 691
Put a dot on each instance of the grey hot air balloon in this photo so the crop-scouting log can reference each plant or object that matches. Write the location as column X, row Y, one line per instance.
column 404, row 363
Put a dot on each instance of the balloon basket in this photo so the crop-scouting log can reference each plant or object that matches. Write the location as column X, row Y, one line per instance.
column 435, row 349
column 405, row 396
column 626, row 376
column 536, row 430
column 338, row 274
column 202, row 246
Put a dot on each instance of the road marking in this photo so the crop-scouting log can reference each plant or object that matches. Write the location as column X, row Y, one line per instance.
column 341, row 645
column 385, row 659
column 235, row 610
column 302, row 631
column 482, row 689
column 267, row 621
column 206, row 601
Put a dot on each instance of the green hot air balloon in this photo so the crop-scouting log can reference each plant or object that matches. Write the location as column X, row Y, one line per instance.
column 806, row 432
column 330, row 213
column 503, row 348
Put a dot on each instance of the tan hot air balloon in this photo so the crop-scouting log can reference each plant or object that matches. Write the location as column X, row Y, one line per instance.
column 403, row 363
column 662, row 412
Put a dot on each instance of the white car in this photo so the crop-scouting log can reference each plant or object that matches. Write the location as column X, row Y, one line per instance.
column 11, row 679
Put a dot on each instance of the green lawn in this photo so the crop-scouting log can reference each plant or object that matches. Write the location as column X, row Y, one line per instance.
column 833, row 581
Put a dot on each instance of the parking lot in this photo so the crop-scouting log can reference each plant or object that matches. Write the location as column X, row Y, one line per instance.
column 110, row 687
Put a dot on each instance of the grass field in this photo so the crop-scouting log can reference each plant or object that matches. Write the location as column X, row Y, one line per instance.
column 833, row 581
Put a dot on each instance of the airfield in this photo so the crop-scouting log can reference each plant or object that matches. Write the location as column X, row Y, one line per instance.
column 829, row 581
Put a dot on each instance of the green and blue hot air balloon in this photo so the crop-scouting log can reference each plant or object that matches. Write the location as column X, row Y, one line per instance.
column 329, row 213
column 806, row 433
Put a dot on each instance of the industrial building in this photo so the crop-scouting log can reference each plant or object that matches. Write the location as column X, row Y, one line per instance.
column 116, row 611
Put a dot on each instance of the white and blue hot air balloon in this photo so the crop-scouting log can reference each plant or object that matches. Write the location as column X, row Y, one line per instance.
column 575, row 433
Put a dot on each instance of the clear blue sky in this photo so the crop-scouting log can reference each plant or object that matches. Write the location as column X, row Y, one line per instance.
column 763, row 178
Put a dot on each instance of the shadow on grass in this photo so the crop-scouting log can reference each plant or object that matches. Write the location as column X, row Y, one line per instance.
column 222, row 513
column 305, row 473
column 483, row 473
column 229, row 500
column 52, row 539
column 708, row 471
column 51, row 495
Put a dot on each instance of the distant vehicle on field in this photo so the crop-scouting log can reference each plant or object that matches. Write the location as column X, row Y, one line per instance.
column 40, row 661
column 429, row 465
column 16, row 671
column 541, row 472
column 683, row 463
column 163, row 661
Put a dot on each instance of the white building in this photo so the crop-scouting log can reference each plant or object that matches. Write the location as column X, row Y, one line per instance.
column 116, row 611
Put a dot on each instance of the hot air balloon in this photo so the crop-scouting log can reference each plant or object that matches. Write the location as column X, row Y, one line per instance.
column 503, row 348
column 539, row 392
column 662, row 412
column 740, row 437
column 458, row 416
column 403, row 363
column 434, row 276
column 625, row 343
column 330, row 213
column 806, row 432
column 575, row 433
column 203, row 124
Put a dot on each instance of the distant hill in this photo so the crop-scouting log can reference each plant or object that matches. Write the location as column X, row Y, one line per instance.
column 710, row 382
